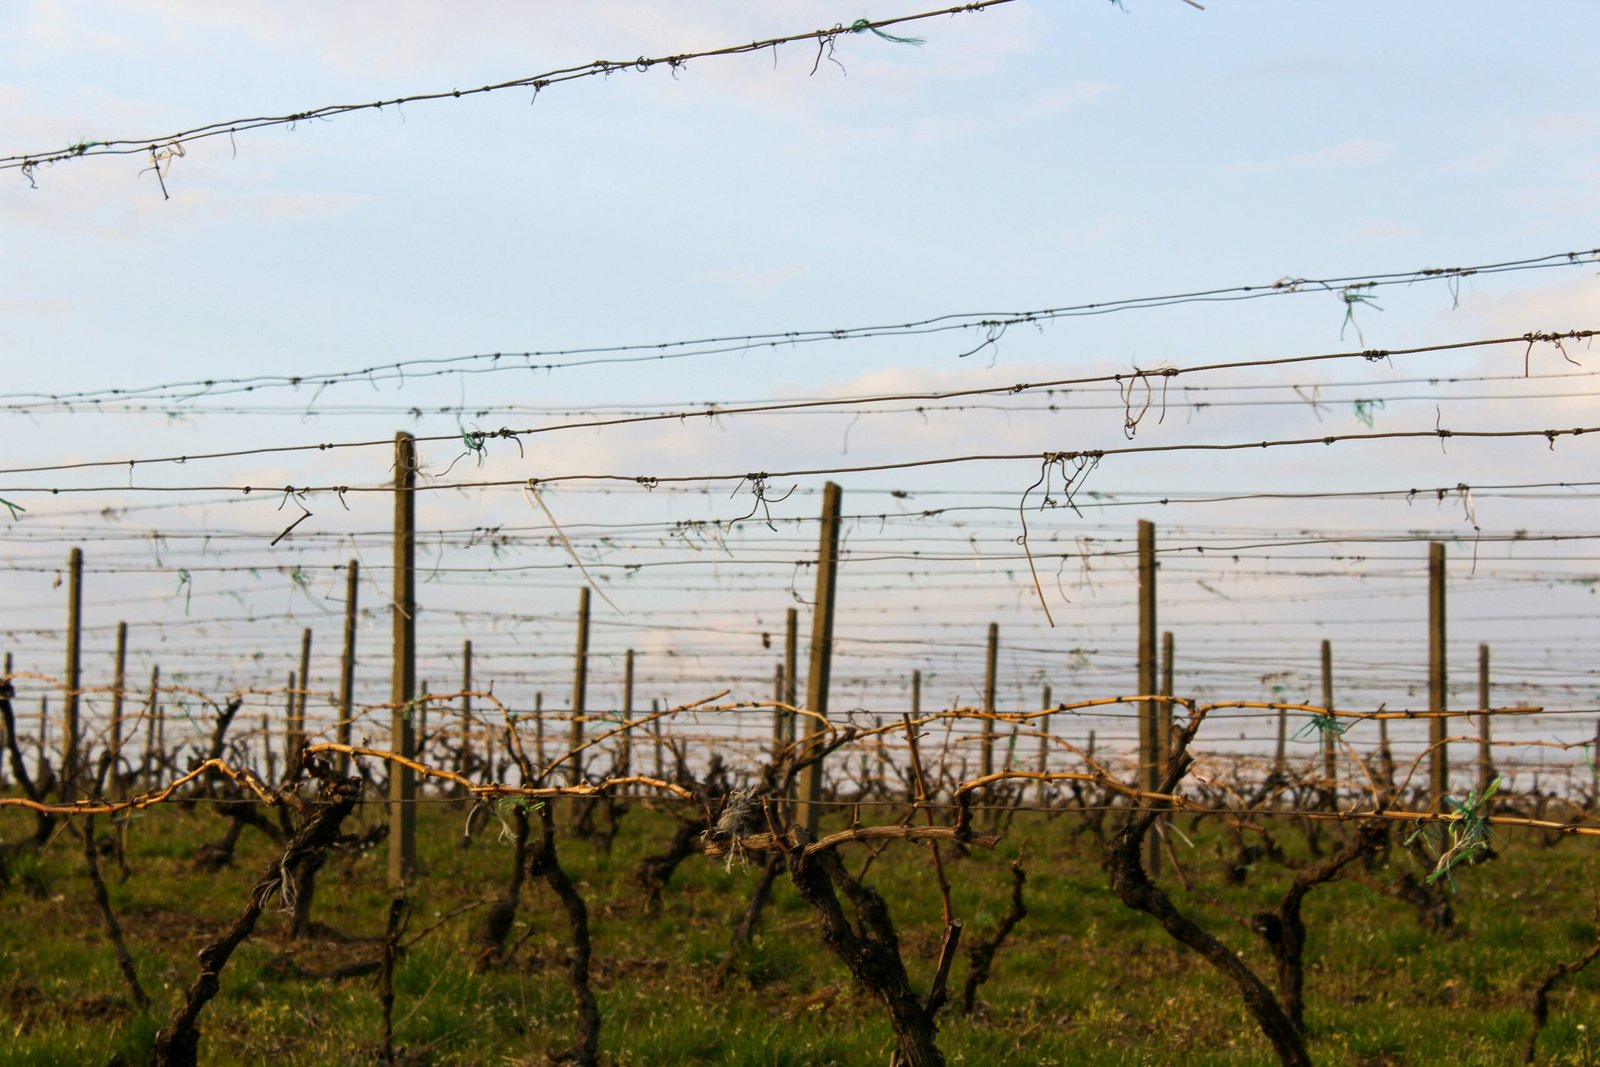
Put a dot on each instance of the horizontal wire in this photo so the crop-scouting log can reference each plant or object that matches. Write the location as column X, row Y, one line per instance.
column 29, row 161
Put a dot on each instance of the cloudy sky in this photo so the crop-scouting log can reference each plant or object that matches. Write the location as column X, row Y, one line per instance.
column 1031, row 156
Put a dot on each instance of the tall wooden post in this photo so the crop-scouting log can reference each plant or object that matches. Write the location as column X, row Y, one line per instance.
column 69, row 738
column 791, row 669
column 1149, row 714
column 5, row 688
column 465, row 752
column 1164, row 709
column 1280, row 756
column 625, row 759
column 1330, row 737
column 1485, row 744
column 1044, row 749
column 540, row 753
column 403, row 677
column 809, row 813
column 347, row 664
column 916, row 693
column 119, row 682
column 299, row 722
column 419, row 743
column 291, row 736
column 580, row 689
column 778, row 729
column 655, row 728
column 1438, row 694
column 991, row 664
column 152, row 742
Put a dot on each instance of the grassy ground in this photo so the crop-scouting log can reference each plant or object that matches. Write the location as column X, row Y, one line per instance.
column 1082, row 981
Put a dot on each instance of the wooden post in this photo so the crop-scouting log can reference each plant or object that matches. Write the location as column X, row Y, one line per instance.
column 580, row 689
column 1485, row 749
column 1438, row 694
column 1149, row 716
column 809, row 813
column 291, row 736
column 625, row 760
column 655, row 728
column 419, row 744
column 916, row 693
column 1164, row 709
column 299, row 720
column 119, row 681
column 403, row 676
column 991, row 663
column 538, row 732
column 1044, row 749
column 791, row 668
column 44, row 731
column 5, row 687
column 1280, row 757
column 778, row 727
column 152, row 743
column 347, row 664
column 69, row 736
column 465, row 752
column 1330, row 738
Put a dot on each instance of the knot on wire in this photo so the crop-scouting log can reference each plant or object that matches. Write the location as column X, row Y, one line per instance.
column 863, row 26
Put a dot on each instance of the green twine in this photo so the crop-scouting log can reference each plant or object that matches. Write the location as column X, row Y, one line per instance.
column 473, row 439
column 1323, row 725
column 1464, row 836
column 1351, row 299
column 186, row 587
column 15, row 509
column 862, row 25
column 1365, row 410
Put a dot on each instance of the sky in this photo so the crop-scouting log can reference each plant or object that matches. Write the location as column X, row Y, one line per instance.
column 1029, row 156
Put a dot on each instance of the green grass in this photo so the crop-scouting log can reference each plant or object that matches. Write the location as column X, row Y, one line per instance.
column 1083, row 980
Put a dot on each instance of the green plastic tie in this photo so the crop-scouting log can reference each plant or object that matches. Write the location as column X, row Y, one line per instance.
column 1323, row 725
column 186, row 587
column 862, row 25
column 15, row 509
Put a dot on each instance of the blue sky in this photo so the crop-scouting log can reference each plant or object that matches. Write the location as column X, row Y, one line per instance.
column 1032, row 155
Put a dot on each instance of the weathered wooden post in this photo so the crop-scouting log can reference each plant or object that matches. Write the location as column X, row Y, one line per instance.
column 464, row 753
column 1164, row 709
column 1149, row 710
column 625, row 758
column 119, row 682
column 791, row 668
column 1438, row 694
column 655, row 728
column 69, row 720
column 1330, row 735
column 420, row 729
column 5, row 737
column 303, row 693
column 291, row 735
column 1485, row 744
column 1044, row 749
column 403, row 677
column 580, row 690
column 152, row 738
column 347, row 665
column 540, row 753
column 778, row 728
column 991, row 664
column 809, row 813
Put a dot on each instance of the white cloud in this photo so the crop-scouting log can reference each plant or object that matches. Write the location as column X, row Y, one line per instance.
column 751, row 278
column 1385, row 230
column 1357, row 153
